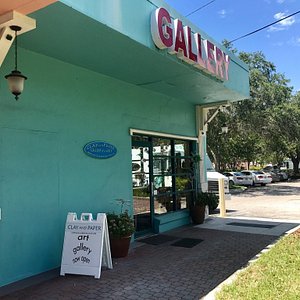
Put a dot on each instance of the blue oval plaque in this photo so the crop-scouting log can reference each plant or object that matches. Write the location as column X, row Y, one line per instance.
column 97, row 149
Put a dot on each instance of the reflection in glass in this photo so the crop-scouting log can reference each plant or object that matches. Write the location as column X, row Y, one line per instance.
column 182, row 147
column 141, row 204
column 141, row 196
column 161, row 147
column 162, row 182
column 162, row 172
column 141, row 188
column 162, row 165
column 184, row 182
column 183, row 200
column 183, row 164
column 163, row 203
column 140, row 138
column 140, row 166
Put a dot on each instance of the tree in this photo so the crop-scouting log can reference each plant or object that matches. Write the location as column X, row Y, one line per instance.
column 253, row 123
column 285, row 130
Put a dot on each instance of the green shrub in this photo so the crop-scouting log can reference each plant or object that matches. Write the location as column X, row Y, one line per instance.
column 141, row 192
column 206, row 198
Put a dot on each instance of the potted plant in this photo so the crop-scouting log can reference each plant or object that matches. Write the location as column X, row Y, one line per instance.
column 212, row 200
column 200, row 201
column 120, row 228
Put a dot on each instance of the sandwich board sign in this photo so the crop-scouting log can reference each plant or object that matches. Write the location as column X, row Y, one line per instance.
column 86, row 245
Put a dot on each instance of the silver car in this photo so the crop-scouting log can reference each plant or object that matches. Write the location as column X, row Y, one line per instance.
column 238, row 178
column 259, row 177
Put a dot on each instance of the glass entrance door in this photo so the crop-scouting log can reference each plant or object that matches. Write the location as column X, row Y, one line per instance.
column 141, row 183
column 163, row 173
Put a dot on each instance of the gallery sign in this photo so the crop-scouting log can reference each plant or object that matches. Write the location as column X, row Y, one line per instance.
column 188, row 46
column 86, row 245
column 97, row 149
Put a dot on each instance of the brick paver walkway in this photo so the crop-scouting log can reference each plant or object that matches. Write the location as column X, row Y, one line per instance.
column 162, row 271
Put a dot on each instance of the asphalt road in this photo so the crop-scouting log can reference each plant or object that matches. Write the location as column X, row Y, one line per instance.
column 274, row 201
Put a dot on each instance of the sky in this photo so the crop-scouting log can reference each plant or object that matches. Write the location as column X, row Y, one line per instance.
column 230, row 19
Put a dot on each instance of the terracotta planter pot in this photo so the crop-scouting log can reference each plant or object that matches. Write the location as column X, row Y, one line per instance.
column 119, row 247
column 198, row 214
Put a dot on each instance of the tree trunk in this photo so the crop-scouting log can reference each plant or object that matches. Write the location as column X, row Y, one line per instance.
column 215, row 159
column 295, row 161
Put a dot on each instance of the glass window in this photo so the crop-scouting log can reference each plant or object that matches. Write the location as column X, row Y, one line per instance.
column 140, row 166
column 168, row 168
column 162, row 165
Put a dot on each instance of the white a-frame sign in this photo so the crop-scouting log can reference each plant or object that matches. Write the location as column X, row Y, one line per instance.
column 86, row 245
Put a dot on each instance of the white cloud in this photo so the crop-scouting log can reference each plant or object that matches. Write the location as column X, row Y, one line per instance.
column 295, row 41
column 222, row 13
column 280, row 1
column 284, row 24
column 278, row 44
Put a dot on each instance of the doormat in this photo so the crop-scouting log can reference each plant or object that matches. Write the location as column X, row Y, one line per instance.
column 158, row 239
column 251, row 225
column 187, row 243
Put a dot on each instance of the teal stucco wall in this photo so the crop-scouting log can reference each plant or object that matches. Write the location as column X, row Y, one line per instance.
column 44, row 172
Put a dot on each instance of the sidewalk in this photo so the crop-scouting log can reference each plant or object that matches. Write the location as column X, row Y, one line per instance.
column 186, row 263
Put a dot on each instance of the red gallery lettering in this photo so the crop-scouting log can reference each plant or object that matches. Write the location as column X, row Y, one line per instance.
column 188, row 46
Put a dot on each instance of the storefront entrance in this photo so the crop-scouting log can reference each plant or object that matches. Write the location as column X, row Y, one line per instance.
column 162, row 178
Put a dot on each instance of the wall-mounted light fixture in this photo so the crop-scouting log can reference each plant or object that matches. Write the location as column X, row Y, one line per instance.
column 16, row 79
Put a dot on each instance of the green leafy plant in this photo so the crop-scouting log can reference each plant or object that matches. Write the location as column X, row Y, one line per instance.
column 141, row 192
column 182, row 183
column 120, row 225
column 206, row 198
column 196, row 157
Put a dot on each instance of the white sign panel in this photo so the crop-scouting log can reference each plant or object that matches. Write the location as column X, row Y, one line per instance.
column 86, row 245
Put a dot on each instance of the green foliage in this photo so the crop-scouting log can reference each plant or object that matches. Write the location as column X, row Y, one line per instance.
column 262, row 129
column 141, row 192
column 120, row 225
column 206, row 198
column 285, row 130
column 181, row 183
column 229, row 46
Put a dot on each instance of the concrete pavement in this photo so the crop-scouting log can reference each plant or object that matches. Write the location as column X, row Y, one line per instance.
column 275, row 201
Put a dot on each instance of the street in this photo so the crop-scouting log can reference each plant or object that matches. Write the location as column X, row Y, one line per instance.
column 274, row 201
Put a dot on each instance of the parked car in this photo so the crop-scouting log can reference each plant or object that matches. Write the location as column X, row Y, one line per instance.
column 275, row 169
column 283, row 176
column 238, row 178
column 275, row 176
column 259, row 177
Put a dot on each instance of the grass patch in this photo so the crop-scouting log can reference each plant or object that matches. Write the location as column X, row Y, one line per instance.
column 275, row 275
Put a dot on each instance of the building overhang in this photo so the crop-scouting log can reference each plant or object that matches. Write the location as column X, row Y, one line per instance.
column 7, row 35
column 85, row 40
column 13, row 13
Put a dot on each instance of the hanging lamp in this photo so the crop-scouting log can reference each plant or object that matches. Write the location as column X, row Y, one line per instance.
column 16, row 79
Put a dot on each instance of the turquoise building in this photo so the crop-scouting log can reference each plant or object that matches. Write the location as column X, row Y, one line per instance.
column 131, row 73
